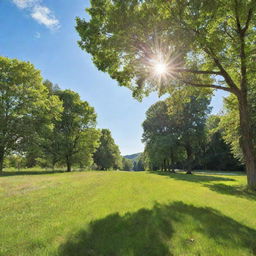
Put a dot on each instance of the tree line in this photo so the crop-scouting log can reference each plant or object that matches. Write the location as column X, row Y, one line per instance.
column 42, row 125
column 180, row 133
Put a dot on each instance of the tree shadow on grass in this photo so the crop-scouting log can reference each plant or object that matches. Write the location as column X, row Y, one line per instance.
column 239, row 191
column 150, row 233
column 199, row 178
column 20, row 173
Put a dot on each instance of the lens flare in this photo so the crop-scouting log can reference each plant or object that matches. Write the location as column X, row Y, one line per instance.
column 160, row 68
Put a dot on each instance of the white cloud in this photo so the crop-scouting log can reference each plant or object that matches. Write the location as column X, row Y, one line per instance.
column 26, row 3
column 42, row 14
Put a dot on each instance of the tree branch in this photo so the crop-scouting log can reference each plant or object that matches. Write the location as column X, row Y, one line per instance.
column 223, row 72
column 213, row 86
column 228, row 33
column 249, row 17
column 206, row 72
column 238, row 24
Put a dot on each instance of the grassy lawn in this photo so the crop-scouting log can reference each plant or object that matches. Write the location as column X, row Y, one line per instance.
column 126, row 213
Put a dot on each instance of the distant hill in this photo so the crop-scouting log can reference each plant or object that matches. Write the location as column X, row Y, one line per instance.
column 133, row 157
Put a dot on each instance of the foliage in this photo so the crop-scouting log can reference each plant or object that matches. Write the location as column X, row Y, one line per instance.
column 52, row 88
column 73, row 138
column 139, row 164
column 175, row 128
column 122, row 37
column 26, row 107
column 218, row 154
column 127, row 164
column 230, row 123
column 16, row 161
column 107, row 155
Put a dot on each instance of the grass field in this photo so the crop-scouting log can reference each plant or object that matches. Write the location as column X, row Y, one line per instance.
column 126, row 214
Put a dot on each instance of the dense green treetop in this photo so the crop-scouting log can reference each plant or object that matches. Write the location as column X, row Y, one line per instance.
column 107, row 155
column 195, row 38
column 74, row 133
column 175, row 126
column 26, row 106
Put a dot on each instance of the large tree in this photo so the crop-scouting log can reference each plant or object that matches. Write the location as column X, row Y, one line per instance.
column 189, row 108
column 107, row 155
column 74, row 137
column 158, row 45
column 230, row 123
column 161, row 137
column 177, row 125
column 26, row 107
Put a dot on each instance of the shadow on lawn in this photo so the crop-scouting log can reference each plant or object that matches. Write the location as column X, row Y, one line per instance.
column 150, row 232
column 193, row 178
column 18, row 173
column 239, row 191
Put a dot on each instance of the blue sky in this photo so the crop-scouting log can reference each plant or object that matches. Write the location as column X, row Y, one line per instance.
column 42, row 32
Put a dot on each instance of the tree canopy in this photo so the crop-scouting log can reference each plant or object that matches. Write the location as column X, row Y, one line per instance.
column 107, row 155
column 73, row 139
column 26, row 107
column 175, row 128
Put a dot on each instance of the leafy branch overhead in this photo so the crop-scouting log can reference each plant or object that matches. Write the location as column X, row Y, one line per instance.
column 198, row 39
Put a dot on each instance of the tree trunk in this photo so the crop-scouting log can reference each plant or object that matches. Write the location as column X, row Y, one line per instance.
column 169, row 166
column 246, row 141
column 68, row 165
column 165, row 166
column 1, row 160
column 1, row 165
column 172, row 163
column 189, row 159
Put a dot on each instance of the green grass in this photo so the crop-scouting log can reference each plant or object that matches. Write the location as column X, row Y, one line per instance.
column 126, row 214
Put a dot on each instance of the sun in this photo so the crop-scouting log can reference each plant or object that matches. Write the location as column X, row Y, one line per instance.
column 160, row 68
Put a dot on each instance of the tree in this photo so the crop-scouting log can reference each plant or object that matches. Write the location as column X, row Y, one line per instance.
column 16, row 161
column 229, row 124
column 189, row 107
column 218, row 155
column 107, row 155
column 127, row 164
column 52, row 88
column 160, row 136
column 175, row 126
column 74, row 137
column 33, row 147
column 139, row 164
column 89, row 144
column 25, row 105
column 197, row 43
column 160, row 153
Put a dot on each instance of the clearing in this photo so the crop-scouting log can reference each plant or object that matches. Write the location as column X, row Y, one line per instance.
column 126, row 214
